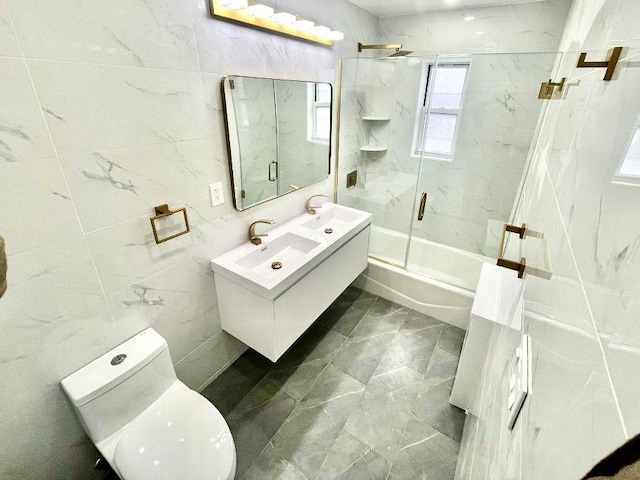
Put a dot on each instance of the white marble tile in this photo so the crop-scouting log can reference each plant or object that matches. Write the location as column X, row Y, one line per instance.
column 505, row 146
column 23, row 132
column 80, row 337
column 48, row 283
column 9, row 45
column 179, row 303
column 622, row 351
column 34, row 360
column 116, row 107
column 127, row 253
column 142, row 33
column 208, row 359
column 35, row 205
column 508, row 28
column 30, row 441
column 562, row 297
column 571, row 412
column 500, row 105
column 114, row 186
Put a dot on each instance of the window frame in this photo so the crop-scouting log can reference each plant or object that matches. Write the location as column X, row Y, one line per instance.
column 314, row 105
column 424, row 108
column 626, row 178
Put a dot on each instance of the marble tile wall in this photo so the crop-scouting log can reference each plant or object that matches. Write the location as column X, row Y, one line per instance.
column 533, row 27
column 583, row 321
column 107, row 110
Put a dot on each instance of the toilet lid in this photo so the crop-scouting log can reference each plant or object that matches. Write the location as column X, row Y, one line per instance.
column 182, row 436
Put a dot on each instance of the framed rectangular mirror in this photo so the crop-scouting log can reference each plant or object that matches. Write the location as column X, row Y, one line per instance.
column 278, row 136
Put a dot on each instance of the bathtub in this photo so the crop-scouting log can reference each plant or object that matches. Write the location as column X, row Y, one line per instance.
column 439, row 280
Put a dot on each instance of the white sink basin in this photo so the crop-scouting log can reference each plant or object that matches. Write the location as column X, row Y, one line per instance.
column 299, row 245
column 336, row 219
column 287, row 250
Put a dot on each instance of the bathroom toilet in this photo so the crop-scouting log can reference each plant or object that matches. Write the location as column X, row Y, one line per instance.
column 144, row 421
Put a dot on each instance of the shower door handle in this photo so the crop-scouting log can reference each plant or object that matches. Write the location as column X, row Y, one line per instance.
column 273, row 178
column 423, row 204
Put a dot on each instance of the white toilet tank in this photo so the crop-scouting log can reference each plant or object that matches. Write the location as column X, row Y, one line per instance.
column 114, row 389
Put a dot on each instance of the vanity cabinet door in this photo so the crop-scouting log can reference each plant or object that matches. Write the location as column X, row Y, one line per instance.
column 301, row 305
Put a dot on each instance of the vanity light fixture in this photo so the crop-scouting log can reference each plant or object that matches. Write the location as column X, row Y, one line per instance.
column 251, row 13
column 235, row 4
column 261, row 11
column 321, row 31
column 304, row 24
column 284, row 18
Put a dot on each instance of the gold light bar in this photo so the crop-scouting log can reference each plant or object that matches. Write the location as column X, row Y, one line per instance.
column 244, row 17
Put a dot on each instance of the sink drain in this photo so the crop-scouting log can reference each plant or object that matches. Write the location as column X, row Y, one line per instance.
column 276, row 265
column 328, row 230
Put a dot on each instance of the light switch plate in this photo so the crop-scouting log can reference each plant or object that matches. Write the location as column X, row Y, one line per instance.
column 217, row 197
column 519, row 380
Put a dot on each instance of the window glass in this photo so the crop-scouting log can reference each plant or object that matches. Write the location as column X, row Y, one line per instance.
column 442, row 102
column 448, row 86
column 631, row 164
column 441, row 130
column 323, row 122
column 323, row 92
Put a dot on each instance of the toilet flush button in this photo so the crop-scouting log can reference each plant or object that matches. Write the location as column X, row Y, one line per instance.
column 118, row 359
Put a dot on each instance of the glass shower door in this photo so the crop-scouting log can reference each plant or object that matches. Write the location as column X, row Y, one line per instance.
column 378, row 112
column 479, row 117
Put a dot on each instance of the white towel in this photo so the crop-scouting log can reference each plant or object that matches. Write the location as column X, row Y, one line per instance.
column 3, row 269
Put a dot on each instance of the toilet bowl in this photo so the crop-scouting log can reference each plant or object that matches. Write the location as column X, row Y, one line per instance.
column 144, row 421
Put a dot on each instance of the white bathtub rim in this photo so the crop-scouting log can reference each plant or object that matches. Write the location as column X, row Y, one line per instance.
column 453, row 314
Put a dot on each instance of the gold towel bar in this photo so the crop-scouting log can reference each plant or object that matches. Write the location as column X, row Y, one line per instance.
column 163, row 211
column 522, row 267
column 510, row 264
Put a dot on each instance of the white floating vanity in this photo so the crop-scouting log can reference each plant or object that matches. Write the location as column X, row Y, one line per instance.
column 269, row 294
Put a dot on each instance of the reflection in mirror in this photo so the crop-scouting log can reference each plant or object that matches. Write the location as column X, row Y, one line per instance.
column 278, row 134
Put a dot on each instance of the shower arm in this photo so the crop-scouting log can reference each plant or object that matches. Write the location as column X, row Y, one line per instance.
column 387, row 46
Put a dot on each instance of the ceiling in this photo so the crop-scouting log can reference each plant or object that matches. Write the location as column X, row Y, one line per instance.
column 388, row 8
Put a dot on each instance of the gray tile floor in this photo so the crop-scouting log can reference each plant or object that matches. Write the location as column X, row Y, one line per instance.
column 362, row 395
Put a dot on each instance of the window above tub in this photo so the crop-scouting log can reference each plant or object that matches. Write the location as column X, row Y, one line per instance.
column 438, row 117
column 629, row 171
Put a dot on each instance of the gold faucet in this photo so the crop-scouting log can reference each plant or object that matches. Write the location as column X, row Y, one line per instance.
column 255, row 238
column 312, row 210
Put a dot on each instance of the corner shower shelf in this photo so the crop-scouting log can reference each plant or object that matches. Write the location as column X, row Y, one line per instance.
column 376, row 119
column 373, row 148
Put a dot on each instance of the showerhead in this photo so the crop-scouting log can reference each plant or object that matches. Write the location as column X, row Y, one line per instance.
column 397, row 54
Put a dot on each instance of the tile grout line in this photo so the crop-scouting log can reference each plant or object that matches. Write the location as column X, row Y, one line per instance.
column 61, row 170
column 298, row 402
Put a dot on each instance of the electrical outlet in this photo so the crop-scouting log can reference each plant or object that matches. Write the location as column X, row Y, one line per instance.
column 217, row 197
